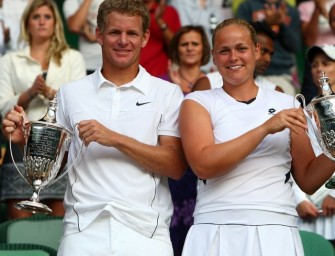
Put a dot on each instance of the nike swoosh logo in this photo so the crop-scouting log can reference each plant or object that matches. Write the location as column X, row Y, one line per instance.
column 142, row 103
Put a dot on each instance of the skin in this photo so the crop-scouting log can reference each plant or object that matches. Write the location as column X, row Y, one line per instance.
column 322, row 62
column 41, row 25
column 121, row 44
column 306, row 209
column 190, row 53
column 262, row 63
column 235, row 56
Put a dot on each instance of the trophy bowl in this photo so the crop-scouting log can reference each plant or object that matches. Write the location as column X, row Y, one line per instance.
column 45, row 145
column 322, row 111
column 321, row 117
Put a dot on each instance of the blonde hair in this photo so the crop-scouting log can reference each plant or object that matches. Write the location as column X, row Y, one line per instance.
column 58, row 42
column 235, row 21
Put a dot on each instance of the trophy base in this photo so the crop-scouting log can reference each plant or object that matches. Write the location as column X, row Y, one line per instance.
column 33, row 207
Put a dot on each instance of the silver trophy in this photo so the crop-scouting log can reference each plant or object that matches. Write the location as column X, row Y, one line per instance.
column 45, row 145
column 321, row 116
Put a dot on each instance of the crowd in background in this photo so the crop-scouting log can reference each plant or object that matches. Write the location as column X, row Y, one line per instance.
column 179, row 51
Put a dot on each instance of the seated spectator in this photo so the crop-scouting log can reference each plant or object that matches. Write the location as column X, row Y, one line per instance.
column 205, row 13
column 189, row 51
column 30, row 78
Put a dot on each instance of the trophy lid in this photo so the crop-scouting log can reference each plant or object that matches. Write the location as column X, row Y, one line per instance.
column 50, row 116
column 324, row 85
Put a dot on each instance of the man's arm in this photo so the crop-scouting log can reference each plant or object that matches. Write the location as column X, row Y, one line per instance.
column 167, row 158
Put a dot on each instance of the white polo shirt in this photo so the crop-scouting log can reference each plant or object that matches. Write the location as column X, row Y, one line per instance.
column 106, row 179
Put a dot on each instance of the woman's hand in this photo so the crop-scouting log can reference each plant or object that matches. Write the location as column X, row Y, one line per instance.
column 293, row 118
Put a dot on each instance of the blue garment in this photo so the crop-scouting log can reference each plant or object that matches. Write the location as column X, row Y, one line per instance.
column 288, row 41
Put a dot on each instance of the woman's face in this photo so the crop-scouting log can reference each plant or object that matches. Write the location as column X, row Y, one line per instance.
column 235, row 54
column 322, row 63
column 41, row 23
column 190, row 48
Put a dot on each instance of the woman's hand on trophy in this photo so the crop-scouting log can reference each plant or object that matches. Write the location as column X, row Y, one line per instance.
column 12, row 124
column 293, row 118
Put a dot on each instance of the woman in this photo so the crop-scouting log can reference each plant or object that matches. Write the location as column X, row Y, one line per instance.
column 247, row 140
column 30, row 78
column 189, row 50
column 317, row 211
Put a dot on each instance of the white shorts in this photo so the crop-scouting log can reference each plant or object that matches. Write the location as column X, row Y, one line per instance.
column 105, row 237
column 242, row 240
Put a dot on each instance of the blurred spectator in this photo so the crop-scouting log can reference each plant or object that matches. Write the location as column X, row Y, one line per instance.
column 316, row 30
column 12, row 12
column 285, row 22
column 164, row 23
column 81, row 16
column 314, row 22
column 30, row 78
column 189, row 50
column 205, row 13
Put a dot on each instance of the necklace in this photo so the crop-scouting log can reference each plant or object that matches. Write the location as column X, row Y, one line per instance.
column 190, row 83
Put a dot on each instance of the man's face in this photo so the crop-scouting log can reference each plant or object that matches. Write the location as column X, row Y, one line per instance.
column 267, row 48
column 122, row 40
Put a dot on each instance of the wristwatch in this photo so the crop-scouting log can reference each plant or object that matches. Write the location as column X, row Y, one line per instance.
column 163, row 26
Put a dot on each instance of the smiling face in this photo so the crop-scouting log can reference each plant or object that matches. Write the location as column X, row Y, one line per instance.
column 122, row 40
column 190, row 48
column 41, row 23
column 235, row 54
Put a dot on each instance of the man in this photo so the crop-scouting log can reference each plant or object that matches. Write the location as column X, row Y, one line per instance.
column 118, row 201
column 265, row 37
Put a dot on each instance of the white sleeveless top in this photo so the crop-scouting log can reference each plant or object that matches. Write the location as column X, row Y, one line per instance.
column 260, row 181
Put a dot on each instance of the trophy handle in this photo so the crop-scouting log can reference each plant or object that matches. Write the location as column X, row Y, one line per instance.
column 73, row 163
column 307, row 110
column 11, row 155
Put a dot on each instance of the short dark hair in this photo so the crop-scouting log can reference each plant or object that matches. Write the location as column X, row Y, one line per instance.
column 173, row 49
column 263, row 28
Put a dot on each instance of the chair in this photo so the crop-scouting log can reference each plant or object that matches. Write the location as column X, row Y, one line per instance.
column 38, row 229
column 26, row 250
column 315, row 244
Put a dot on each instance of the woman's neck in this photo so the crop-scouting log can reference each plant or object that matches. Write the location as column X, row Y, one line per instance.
column 39, row 52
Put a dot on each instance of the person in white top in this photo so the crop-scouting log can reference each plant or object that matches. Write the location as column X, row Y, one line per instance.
column 12, row 13
column 81, row 18
column 117, row 200
column 30, row 78
column 247, row 140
